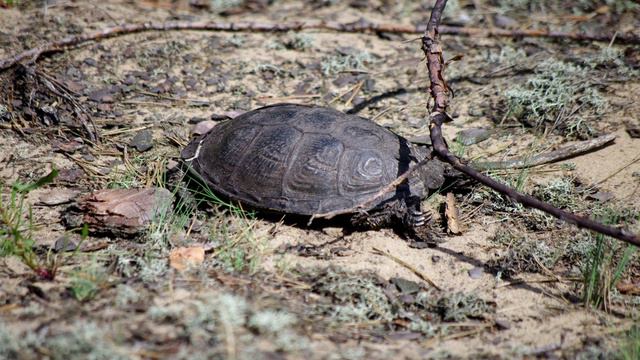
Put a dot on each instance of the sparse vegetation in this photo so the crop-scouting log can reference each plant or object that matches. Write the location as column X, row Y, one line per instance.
column 577, row 7
column 17, row 227
column 364, row 299
column 87, row 282
column 85, row 340
column 231, row 230
column 630, row 346
column 293, row 41
column 560, row 96
column 355, row 60
column 522, row 254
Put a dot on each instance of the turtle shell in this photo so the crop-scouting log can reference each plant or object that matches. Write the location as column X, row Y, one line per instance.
column 304, row 160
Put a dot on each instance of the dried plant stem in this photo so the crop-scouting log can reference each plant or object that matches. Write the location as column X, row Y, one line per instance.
column 409, row 267
column 561, row 153
column 361, row 26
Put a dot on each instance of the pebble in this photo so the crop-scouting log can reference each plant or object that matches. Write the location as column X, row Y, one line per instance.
column 57, row 197
column 472, row 136
column 633, row 130
column 503, row 324
column 405, row 286
column 203, row 127
column 64, row 244
column 142, row 141
column 476, row 272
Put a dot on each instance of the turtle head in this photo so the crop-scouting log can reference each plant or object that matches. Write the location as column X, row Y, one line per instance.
column 432, row 174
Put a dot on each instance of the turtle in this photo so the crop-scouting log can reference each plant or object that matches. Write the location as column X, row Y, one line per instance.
column 308, row 160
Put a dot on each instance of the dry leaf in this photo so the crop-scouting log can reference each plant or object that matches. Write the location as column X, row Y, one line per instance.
column 451, row 212
column 185, row 257
column 628, row 288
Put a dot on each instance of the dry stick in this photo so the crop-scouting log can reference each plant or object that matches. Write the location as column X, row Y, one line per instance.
column 433, row 51
column 361, row 26
column 562, row 153
column 403, row 263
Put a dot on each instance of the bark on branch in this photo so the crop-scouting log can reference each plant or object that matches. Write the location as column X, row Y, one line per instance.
column 439, row 92
column 361, row 26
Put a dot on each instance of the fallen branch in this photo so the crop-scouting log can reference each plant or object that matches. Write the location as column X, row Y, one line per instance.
column 439, row 92
column 562, row 153
column 361, row 26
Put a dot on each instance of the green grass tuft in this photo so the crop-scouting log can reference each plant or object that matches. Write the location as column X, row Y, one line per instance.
column 606, row 262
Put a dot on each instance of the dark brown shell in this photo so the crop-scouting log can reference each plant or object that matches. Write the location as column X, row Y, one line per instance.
column 304, row 160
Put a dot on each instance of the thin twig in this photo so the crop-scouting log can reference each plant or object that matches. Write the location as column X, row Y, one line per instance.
column 408, row 266
column 439, row 92
column 618, row 171
column 360, row 26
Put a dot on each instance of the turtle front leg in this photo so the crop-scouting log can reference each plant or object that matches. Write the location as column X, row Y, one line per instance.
column 387, row 215
column 418, row 225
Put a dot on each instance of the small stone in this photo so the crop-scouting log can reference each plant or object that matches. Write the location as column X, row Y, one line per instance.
column 420, row 140
column 341, row 251
column 602, row 196
column 472, row 136
column 64, row 244
column 122, row 212
column 407, row 299
column 221, row 117
column 416, row 122
column 421, row 244
column 142, row 141
column 334, row 232
column 196, row 119
column 344, row 79
column 369, row 85
column 476, row 272
column 57, row 197
column 101, row 95
column 190, row 83
column 435, row 258
column 505, row 22
column 71, row 175
column 172, row 164
column 129, row 80
column 503, row 324
column 203, row 127
column 405, row 286
column 475, row 112
column 633, row 129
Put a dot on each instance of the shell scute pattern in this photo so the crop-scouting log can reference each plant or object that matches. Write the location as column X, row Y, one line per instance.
column 301, row 159
column 314, row 171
